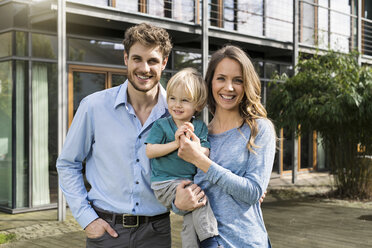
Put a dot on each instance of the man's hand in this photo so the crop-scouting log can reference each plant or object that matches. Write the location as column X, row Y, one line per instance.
column 262, row 197
column 188, row 197
column 97, row 228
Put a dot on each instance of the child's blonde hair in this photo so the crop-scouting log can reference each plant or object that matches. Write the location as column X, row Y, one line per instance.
column 192, row 81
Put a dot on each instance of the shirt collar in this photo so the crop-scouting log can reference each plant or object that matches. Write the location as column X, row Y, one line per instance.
column 122, row 97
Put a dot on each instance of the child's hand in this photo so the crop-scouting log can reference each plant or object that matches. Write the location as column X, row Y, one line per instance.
column 185, row 129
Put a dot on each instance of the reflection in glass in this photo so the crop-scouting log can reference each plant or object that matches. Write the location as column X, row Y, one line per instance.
column 340, row 25
column 229, row 19
column 183, row 10
column 44, row 133
column 86, row 83
column 250, row 20
column 287, row 150
column 307, row 22
column 156, row 8
column 94, row 2
column 258, row 66
column 306, row 151
column 118, row 79
column 6, row 134
column 21, row 135
column 279, row 18
column 165, row 78
column 323, row 33
column 44, row 46
column 128, row 5
column 287, row 69
column 6, row 44
column 95, row 51
column 21, row 44
column 187, row 59
column 271, row 69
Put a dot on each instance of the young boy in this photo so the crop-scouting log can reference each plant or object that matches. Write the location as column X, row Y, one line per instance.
column 186, row 95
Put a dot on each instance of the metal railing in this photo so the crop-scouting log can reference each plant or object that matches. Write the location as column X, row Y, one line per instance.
column 322, row 24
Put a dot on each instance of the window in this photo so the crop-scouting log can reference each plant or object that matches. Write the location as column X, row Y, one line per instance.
column 95, row 51
column 44, row 46
column 6, row 44
column 279, row 19
column 6, row 91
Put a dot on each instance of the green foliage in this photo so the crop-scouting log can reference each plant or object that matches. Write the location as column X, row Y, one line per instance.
column 331, row 94
column 5, row 238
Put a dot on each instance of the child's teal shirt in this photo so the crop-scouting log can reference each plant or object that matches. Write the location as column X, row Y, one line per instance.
column 170, row 166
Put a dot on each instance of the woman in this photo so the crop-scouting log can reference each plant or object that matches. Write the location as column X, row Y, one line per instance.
column 242, row 152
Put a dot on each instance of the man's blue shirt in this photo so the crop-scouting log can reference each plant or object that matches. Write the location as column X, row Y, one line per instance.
column 106, row 132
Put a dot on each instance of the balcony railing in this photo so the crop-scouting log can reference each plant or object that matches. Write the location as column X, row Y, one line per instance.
column 322, row 23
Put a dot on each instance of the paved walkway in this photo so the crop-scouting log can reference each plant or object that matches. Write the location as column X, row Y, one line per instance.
column 291, row 218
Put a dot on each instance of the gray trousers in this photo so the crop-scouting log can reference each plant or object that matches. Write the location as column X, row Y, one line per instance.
column 155, row 234
column 200, row 223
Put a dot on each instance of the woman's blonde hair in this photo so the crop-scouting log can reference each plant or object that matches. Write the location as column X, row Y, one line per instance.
column 192, row 81
column 250, row 107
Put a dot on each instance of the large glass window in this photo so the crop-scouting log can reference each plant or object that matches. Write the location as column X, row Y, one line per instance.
column 250, row 17
column 128, row 5
column 44, row 133
column 323, row 32
column 187, row 59
column 229, row 16
column 306, row 151
column 22, row 164
column 6, row 44
column 21, row 44
column 94, row 2
column 307, row 12
column 279, row 19
column 156, row 7
column 183, row 10
column 340, row 25
column 95, row 51
column 44, row 46
column 6, row 134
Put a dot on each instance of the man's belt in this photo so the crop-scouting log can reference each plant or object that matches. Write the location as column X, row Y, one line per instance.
column 129, row 220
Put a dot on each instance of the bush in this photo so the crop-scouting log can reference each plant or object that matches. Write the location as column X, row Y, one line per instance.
column 331, row 94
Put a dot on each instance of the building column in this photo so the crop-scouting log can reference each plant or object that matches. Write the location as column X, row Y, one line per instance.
column 62, row 95
column 205, row 49
column 295, row 61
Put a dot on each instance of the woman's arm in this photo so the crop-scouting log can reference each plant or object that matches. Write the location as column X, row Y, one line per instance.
column 251, row 186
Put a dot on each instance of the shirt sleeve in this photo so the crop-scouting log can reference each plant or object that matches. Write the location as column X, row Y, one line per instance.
column 77, row 146
column 250, row 187
column 203, row 135
column 156, row 135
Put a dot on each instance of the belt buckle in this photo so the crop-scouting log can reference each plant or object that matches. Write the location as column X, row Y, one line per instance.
column 130, row 226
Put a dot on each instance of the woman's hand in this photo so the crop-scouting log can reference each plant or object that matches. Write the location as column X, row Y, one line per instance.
column 189, row 197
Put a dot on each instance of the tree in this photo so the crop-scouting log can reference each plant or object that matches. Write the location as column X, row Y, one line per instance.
column 332, row 94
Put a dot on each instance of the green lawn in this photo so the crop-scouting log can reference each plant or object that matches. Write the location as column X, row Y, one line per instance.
column 5, row 238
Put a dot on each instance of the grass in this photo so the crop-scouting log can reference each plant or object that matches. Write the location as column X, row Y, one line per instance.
column 5, row 238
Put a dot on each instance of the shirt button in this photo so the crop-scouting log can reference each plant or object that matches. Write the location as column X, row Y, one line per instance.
column 137, row 160
column 137, row 182
column 137, row 203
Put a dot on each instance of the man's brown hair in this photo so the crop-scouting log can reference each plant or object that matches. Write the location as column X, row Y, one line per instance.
column 148, row 35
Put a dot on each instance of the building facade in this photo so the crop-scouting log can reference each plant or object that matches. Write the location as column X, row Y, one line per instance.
column 30, row 113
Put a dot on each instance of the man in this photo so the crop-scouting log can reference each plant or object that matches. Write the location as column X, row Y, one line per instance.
column 109, row 130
